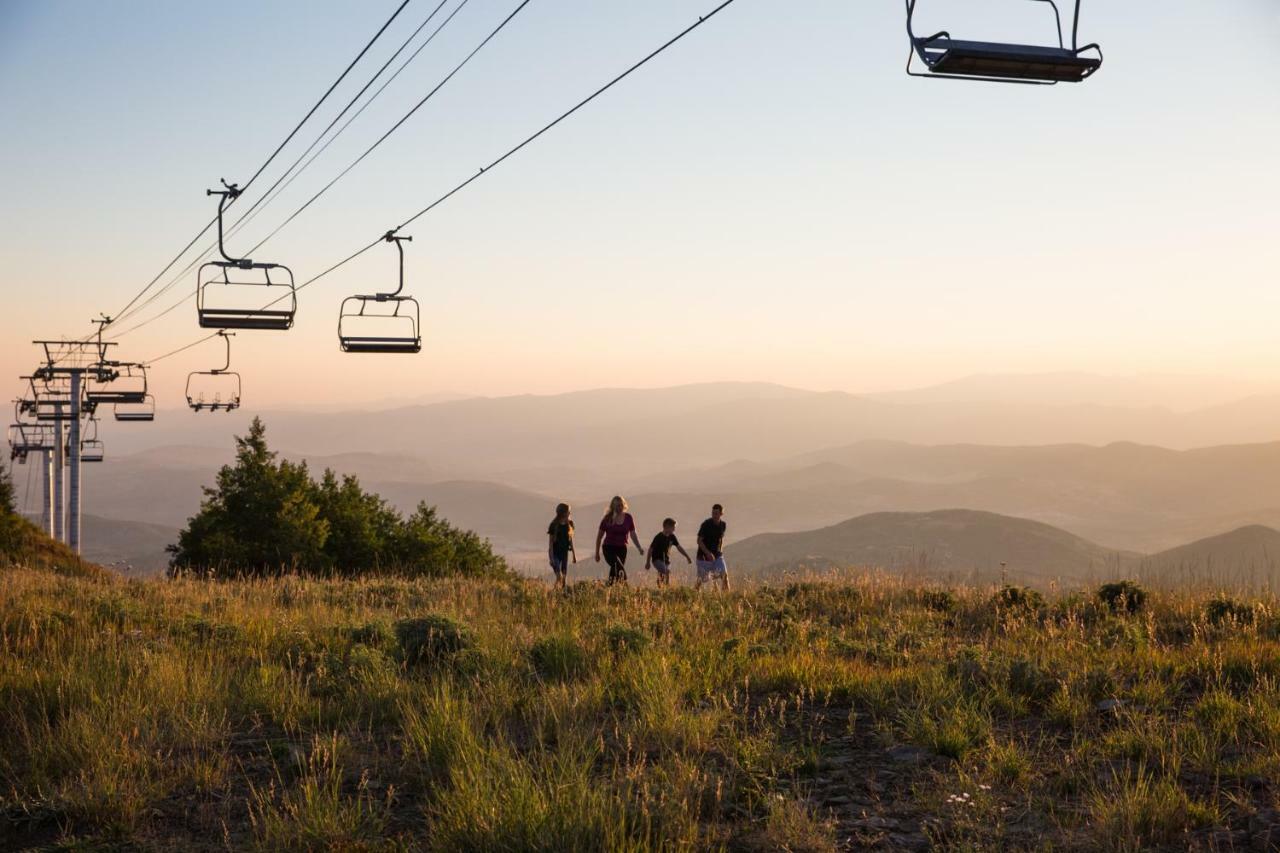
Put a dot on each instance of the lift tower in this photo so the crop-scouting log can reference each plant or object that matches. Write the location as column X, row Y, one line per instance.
column 74, row 362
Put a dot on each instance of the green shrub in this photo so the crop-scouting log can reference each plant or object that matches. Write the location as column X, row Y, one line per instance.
column 372, row 634
column 1124, row 596
column 1017, row 598
column 1029, row 680
column 624, row 639
column 937, row 600
column 430, row 639
column 559, row 658
column 1223, row 610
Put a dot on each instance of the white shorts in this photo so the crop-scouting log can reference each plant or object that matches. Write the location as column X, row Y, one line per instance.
column 716, row 568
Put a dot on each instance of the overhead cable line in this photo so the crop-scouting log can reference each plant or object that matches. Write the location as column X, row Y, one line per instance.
column 289, row 175
column 273, row 156
column 486, row 169
column 398, row 124
column 443, row 82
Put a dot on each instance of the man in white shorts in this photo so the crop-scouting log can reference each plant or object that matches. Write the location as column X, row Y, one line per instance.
column 711, row 564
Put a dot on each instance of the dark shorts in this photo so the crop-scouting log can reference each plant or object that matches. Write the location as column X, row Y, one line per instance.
column 616, row 557
column 560, row 563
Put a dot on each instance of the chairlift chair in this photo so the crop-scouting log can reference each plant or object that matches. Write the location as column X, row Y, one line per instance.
column 117, row 382
column 27, row 438
column 945, row 57
column 382, row 322
column 217, row 389
column 230, row 292
column 91, row 448
column 50, row 398
column 136, row 412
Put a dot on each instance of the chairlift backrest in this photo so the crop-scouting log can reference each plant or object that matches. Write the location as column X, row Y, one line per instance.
column 237, row 293
column 1003, row 62
column 382, row 322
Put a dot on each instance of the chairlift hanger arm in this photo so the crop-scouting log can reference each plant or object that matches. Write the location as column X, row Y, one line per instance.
column 226, row 337
column 392, row 237
column 227, row 195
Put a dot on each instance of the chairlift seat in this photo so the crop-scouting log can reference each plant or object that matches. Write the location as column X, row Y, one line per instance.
column 140, row 411
column 92, row 450
column 229, row 295
column 1032, row 63
column 381, row 345
column 225, row 318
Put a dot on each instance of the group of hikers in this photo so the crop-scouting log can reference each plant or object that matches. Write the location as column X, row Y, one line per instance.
column 617, row 527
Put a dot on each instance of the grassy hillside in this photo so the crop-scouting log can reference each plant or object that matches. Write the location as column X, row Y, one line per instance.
column 1246, row 557
column 956, row 543
column 449, row 715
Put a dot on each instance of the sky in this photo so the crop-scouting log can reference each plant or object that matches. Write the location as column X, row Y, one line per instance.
column 771, row 200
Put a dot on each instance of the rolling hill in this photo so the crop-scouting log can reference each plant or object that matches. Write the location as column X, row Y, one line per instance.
column 1245, row 557
column 977, row 546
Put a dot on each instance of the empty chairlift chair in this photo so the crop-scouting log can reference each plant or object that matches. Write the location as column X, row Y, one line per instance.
column 382, row 322
column 1002, row 62
column 116, row 382
column 136, row 412
column 91, row 448
column 25, row 438
column 50, row 398
column 237, row 293
column 215, row 390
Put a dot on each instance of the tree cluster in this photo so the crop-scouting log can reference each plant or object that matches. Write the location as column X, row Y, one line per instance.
column 269, row 516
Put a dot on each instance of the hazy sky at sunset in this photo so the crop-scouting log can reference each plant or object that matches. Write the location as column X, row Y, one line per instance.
column 771, row 200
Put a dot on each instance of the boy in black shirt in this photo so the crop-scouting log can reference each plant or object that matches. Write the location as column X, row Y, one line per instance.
column 711, row 564
column 560, row 544
column 659, row 556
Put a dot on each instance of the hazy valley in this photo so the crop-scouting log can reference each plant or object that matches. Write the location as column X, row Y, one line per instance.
column 782, row 460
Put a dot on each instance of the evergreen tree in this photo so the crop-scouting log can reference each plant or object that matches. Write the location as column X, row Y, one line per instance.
column 7, row 506
column 261, row 517
column 267, row 516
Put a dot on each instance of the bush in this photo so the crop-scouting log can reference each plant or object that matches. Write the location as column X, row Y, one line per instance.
column 1223, row 610
column 372, row 634
column 937, row 600
column 430, row 639
column 559, row 658
column 267, row 517
column 623, row 639
column 1124, row 596
column 1017, row 598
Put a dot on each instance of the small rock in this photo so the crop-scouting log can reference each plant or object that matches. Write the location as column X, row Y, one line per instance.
column 876, row 822
column 1109, row 706
column 908, row 754
column 1264, row 830
column 908, row 841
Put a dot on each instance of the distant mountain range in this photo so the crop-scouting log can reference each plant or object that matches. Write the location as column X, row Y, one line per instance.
column 982, row 547
column 588, row 438
column 977, row 547
column 781, row 459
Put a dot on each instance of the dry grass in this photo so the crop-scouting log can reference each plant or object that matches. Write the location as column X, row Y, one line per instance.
column 293, row 714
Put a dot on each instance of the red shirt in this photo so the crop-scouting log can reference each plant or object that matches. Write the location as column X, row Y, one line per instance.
column 616, row 534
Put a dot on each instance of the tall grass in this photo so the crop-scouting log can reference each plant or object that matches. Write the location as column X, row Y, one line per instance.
column 492, row 715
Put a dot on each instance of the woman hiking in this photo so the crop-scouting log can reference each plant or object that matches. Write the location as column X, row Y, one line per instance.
column 615, row 528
